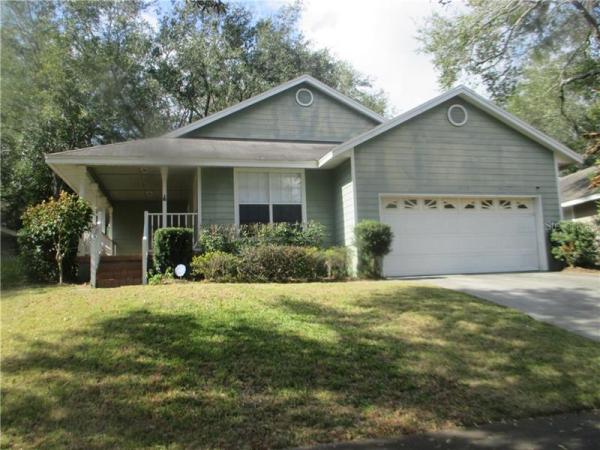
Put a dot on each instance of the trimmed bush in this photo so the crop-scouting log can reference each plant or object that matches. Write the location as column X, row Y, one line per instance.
column 336, row 262
column 229, row 239
column 216, row 266
column 219, row 238
column 281, row 263
column 50, row 235
column 308, row 235
column 373, row 242
column 574, row 243
column 172, row 246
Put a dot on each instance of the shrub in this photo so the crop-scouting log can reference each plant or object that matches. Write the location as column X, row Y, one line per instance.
column 336, row 262
column 219, row 238
column 216, row 266
column 12, row 272
column 161, row 278
column 229, row 239
column 172, row 246
column 574, row 243
column 50, row 234
column 373, row 241
column 280, row 263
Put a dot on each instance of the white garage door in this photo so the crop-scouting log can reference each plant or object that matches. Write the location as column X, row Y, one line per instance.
column 460, row 235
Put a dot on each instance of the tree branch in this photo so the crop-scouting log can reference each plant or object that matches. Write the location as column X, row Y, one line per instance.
column 589, row 18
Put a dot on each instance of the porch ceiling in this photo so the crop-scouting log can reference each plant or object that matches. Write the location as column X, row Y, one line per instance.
column 123, row 183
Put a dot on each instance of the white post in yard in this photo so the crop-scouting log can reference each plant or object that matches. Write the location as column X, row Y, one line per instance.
column 164, row 173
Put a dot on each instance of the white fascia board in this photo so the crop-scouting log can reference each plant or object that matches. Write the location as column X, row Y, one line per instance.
column 580, row 200
column 111, row 161
column 471, row 97
column 270, row 93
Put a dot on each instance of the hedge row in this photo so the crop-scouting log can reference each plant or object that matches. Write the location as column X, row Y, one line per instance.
column 232, row 239
column 280, row 263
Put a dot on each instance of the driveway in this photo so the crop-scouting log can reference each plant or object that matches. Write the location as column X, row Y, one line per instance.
column 568, row 300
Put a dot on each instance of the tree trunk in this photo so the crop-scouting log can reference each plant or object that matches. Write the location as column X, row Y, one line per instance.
column 59, row 263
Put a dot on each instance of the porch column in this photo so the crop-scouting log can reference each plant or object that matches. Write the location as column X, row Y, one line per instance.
column 164, row 173
column 198, row 198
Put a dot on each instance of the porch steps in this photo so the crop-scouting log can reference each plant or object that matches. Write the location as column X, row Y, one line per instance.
column 114, row 271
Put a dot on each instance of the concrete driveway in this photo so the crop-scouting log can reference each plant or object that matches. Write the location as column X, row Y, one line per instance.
column 568, row 300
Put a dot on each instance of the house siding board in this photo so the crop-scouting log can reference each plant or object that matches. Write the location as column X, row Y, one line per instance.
column 281, row 118
column 320, row 203
column 343, row 203
column 429, row 155
column 128, row 223
column 217, row 196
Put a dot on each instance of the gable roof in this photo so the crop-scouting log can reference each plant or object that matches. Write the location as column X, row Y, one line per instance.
column 471, row 97
column 344, row 99
column 576, row 187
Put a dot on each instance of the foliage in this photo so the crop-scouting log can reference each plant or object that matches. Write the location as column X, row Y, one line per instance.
column 280, row 263
column 232, row 239
column 574, row 243
column 273, row 263
column 373, row 242
column 336, row 261
column 50, row 235
column 307, row 235
column 219, row 238
column 216, row 266
column 543, row 51
column 114, row 76
column 172, row 246
column 156, row 278
column 314, row 362
column 12, row 272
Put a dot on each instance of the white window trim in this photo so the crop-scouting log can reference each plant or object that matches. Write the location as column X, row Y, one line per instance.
column 312, row 97
column 464, row 110
column 236, row 201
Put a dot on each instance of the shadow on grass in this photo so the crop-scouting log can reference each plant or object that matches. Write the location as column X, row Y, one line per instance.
column 147, row 378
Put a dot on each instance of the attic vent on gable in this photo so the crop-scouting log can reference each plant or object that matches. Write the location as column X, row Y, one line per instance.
column 304, row 97
column 457, row 115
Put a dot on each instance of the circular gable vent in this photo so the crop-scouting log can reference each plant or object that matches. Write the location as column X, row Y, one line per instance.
column 457, row 115
column 304, row 97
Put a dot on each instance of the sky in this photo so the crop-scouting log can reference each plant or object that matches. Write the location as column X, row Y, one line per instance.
column 378, row 37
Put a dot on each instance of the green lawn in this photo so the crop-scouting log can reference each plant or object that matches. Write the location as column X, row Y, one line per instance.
column 260, row 366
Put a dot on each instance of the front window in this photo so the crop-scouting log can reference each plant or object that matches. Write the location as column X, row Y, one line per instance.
column 269, row 197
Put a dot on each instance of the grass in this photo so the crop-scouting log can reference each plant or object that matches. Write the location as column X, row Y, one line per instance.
column 264, row 366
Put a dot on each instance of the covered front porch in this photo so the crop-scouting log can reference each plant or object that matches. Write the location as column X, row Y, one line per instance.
column 136, row 189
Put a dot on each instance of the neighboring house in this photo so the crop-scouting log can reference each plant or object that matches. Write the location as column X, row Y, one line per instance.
column 466, row 186
column 579, row 201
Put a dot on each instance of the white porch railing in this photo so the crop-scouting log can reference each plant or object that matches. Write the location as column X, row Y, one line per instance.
column 155, row 221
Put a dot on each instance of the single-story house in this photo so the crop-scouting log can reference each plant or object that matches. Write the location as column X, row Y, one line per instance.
column 465, row 186
column 579, row 200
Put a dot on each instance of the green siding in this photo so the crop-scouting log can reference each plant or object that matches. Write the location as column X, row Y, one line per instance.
column 281, row 118
column 320, row 202
column 128, row 223
column 217, row 196
column 344, row 206
column 429, row 155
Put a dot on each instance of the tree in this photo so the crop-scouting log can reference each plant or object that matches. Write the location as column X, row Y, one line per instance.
column 51, row 232
column 373, row 242
column 539, row 58
column 207, row 60
column 73, row 75
column 82, row 73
